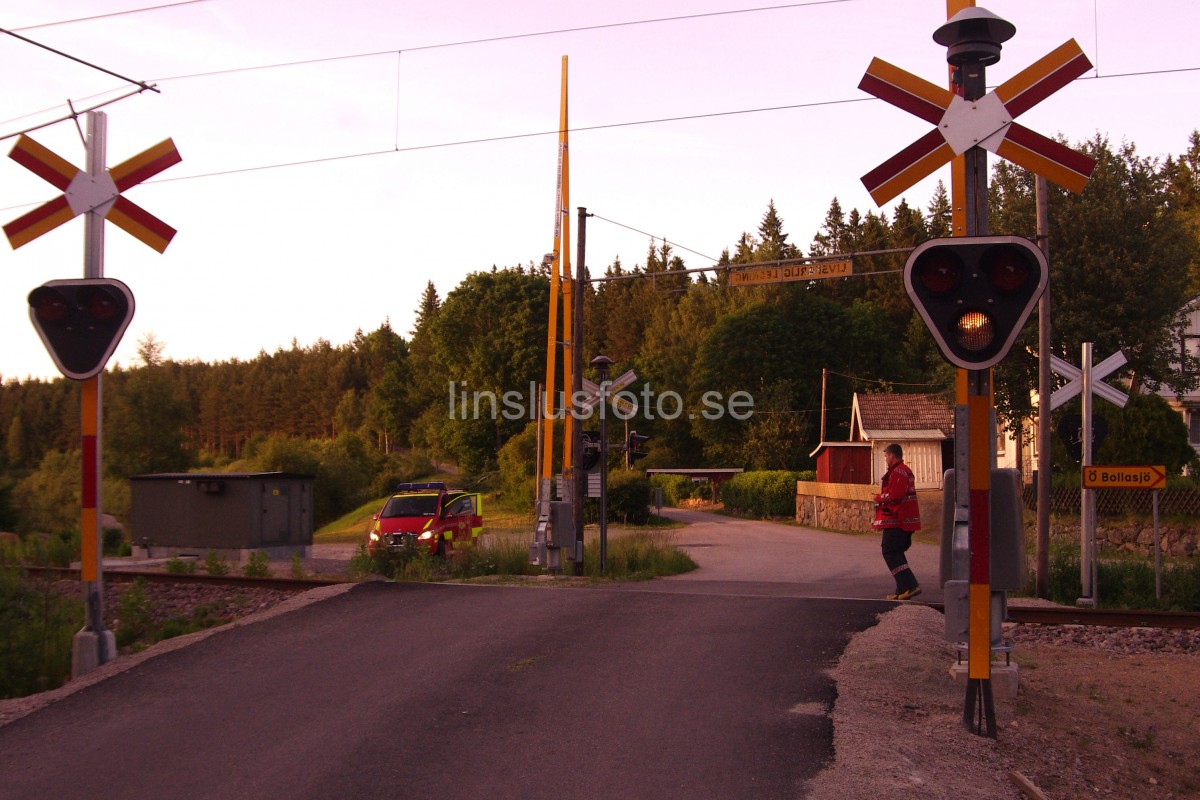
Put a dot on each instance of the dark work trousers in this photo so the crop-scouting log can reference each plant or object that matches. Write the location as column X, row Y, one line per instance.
column 895, row 543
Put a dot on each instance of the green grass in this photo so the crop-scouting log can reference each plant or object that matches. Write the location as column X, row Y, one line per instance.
column 39, row 624
column 639, row 555
column 633, row 554
column 1124, row 580
column 350, row 527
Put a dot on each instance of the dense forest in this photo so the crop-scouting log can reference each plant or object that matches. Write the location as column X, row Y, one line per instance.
column 1125, row 258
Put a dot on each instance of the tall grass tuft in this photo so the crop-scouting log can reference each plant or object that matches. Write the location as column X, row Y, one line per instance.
column 1124, row 582
column 38, row 624
column 639, row 556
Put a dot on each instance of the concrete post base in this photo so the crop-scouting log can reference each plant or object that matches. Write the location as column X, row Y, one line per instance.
column 90, row 649
column 1004, row 679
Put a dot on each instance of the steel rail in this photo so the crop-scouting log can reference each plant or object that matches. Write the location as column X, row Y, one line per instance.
column 1109, row 617
column 128, row 576
column 1100, row 617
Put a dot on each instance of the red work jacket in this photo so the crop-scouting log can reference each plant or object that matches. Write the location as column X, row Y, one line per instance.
column 896, row 504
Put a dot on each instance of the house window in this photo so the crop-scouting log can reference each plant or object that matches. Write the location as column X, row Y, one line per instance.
column 1190, row 352
column 1000, row 441
column 1194, row 426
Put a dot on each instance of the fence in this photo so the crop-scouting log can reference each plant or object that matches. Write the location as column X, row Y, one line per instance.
column 1120, row 502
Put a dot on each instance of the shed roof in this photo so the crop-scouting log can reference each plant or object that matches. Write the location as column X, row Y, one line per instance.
column 210, row 476
column 901, row 416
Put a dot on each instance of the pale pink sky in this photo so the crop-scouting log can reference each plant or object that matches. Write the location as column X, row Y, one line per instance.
column 265, row 256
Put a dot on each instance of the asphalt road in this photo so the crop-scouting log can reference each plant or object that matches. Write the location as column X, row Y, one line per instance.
column 738, row 556
column 710, row 686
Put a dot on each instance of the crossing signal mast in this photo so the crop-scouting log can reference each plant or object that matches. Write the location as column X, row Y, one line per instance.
column 975, row 291
column 82, row 321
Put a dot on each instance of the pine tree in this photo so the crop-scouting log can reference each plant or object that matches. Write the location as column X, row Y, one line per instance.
column 427, row 310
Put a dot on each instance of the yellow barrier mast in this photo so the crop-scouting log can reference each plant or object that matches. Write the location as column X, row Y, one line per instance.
column 558, row 263
column 568, row 286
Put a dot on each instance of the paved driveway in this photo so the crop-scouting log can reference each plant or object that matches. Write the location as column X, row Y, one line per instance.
column 772, row 558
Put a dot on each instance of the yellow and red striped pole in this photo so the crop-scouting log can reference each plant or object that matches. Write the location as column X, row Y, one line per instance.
column 89, row 524
column 94, row 645
column 973, row 389
column 568, row 287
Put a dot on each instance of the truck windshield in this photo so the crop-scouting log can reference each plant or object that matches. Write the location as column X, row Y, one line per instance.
column 411, row 505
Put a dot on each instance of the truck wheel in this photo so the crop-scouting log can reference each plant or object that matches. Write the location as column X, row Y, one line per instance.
column 441, row 547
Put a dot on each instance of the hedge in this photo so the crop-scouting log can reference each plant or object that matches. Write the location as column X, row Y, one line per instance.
column 768, row 493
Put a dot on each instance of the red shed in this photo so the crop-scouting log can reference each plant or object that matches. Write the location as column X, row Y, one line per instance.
column 843, row 462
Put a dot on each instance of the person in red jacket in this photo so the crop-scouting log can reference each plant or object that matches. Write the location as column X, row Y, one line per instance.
column 897, row 515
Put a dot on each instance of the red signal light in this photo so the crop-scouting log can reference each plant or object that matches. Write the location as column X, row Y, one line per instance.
column 940, row 271
column 99, row 305
column 49, row 305
column 1007, row 268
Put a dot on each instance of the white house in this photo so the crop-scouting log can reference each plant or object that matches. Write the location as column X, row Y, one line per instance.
column 923, row 424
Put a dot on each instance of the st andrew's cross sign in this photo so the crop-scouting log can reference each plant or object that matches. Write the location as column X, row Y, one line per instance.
column 986, row 122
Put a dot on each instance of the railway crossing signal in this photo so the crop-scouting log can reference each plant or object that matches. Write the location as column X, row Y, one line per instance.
column 81, row 322
column 633, row 448
column 591, row 450
column 949, row 290
column 975, row 293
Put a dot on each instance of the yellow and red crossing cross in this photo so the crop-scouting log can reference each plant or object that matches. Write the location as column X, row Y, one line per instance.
column 986, row 122
column 83, row 193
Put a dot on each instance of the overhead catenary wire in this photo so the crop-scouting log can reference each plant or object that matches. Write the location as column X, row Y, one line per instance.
column 125, row 13
column 143, row 84
column 652, row 236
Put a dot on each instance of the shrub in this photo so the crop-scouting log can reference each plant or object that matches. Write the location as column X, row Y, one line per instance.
column 677, row 488
column 411, row 561
column 258, row 565
column 214, row 564
column 401, row 468
column 38, row 624
column 133, row 614
column 177, row 566
column 629, row 498
column 769, row 493
column 518, row 470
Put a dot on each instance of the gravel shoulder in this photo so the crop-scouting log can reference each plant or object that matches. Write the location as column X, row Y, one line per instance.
column 1100, row 712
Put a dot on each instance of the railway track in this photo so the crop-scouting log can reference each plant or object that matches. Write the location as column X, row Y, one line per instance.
column 1110, row 617
column 1032, row 615
column 1099, row 617
column 128, row 576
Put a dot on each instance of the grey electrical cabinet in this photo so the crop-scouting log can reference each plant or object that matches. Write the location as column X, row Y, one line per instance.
column 227, row 512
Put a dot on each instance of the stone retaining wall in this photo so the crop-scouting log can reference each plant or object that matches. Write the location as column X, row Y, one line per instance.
column 851, row 507
column 836, row 506
column 1127, row 536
